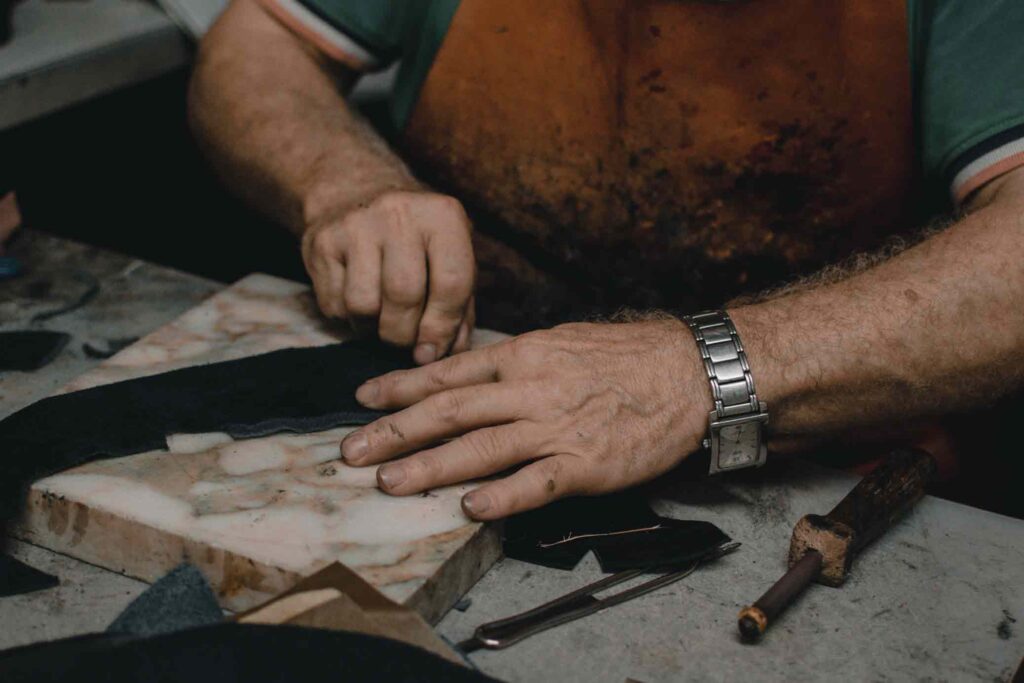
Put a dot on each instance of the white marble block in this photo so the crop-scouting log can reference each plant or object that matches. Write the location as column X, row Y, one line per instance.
column 254, row 515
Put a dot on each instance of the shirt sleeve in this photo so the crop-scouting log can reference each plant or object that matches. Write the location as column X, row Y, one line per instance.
column 971, row 90
column 364, row 35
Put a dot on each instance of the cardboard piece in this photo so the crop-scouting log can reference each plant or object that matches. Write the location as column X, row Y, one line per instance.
column 336, row 598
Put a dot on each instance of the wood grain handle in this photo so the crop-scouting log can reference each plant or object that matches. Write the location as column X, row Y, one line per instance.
column 884, row 495
column 865, row 513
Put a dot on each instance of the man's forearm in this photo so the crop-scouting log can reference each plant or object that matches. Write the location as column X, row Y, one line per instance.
column 938, row 328
column 381, row 250
column 271, row 116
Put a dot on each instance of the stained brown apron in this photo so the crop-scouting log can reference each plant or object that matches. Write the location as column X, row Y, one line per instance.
column 669, row 153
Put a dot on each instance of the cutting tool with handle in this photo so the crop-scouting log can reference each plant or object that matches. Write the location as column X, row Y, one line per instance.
column 580, row 603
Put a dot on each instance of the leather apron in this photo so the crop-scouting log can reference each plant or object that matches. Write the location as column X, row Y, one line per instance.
column 665, row 153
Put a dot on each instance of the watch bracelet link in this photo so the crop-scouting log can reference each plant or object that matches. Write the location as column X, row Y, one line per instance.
column 725, row 362
column 727, row 369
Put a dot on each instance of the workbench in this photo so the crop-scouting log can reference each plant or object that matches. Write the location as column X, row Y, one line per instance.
column 63, row 53
column 939, row 598
column 66, row 52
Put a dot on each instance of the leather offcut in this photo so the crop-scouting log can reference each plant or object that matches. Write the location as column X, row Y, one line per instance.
column 621, row 530
column 16, row 577
column 28, row 350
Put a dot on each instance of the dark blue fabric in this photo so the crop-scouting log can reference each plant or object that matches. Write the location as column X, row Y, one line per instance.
column 181, row 599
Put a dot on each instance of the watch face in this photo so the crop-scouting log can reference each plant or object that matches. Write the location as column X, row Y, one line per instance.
column 737, row 445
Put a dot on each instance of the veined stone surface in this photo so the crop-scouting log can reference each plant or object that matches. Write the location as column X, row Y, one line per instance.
column 254, row 515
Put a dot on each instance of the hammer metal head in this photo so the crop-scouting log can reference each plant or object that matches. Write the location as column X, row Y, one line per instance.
column 833, row 540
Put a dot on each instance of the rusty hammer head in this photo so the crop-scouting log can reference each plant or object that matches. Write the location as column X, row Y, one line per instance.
column 835, row 541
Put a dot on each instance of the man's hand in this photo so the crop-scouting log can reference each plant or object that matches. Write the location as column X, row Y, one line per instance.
column 582, row 408
column 403, row 261
column 270, row 111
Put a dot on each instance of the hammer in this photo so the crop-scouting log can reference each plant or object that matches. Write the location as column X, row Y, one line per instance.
column 823, row 548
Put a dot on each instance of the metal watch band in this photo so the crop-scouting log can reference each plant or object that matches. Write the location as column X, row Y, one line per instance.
column 732, row 387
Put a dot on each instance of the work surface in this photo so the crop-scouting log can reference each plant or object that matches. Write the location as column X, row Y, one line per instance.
column 254, row 515
column 938, row 598
column 62, row 53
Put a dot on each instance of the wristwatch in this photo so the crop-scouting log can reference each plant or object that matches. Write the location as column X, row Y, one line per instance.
column 736, row 426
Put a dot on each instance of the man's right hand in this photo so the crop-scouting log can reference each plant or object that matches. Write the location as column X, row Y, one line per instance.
column 269, row 109
column 403, row 261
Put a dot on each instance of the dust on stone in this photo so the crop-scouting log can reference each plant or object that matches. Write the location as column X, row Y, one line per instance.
column 1005, row 627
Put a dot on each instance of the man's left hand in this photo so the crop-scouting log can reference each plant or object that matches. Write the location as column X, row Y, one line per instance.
column 579, row 409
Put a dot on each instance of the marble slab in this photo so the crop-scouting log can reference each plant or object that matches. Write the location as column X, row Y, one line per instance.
column 254, row 515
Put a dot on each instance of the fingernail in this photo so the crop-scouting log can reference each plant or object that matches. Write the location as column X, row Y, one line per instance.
column 475, row 503
column 390, row 476
column 354, row 446
column 367, row 393
column 425, row 353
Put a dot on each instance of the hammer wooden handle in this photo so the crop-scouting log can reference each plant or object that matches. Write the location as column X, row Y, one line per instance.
column 754, row 620
column 865, row 513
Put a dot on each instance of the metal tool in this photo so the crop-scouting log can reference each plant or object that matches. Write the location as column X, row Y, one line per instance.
column 823, row 548
column 580, row 603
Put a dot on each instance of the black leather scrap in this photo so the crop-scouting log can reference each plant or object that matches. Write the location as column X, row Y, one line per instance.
column 294, row 390
column 27, row 350
column 16, row 577
column 621, row 530
column 675, row 543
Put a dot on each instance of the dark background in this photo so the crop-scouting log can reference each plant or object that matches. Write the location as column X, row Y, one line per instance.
column 122, row 172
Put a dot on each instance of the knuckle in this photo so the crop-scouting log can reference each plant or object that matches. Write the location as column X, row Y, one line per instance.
column 404, row 288
column 549, row 477
column 484, row 444
column 357, row 228
column 324, row 242
column 560, row 396
column 361, row 301
column 396, row 207
column 389, row 200
column 385, row 431
column 452, row 287
column 448, row 407
column 448, row 203
column 392, row 385
column 439, row 375
column 527, row 348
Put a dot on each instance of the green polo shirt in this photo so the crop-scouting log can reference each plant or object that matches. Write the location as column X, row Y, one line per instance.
column 967, row 63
